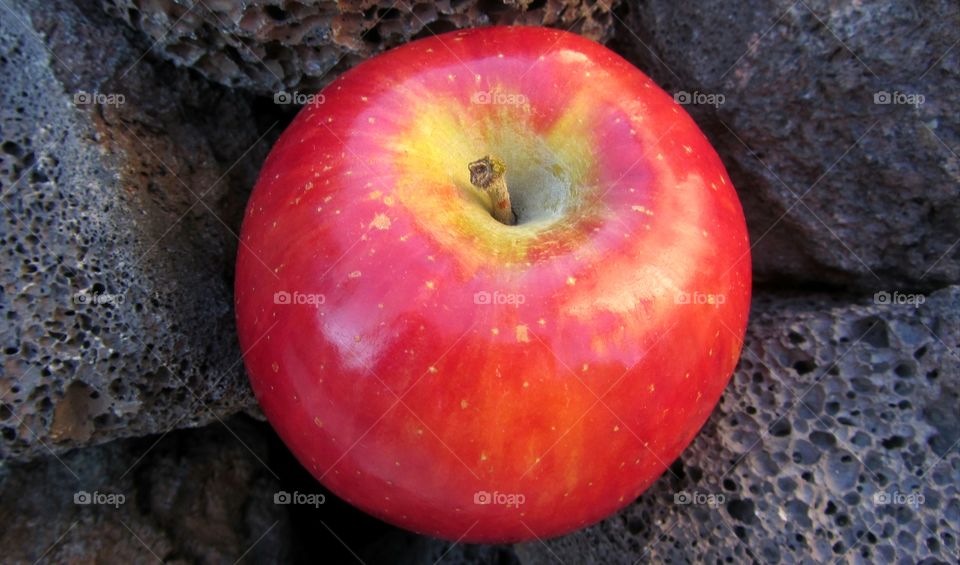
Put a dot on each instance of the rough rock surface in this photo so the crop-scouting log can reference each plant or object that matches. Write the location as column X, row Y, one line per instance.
column 837, row 188
column 269, row 46
column 185, row 498
column 116, row 278
column 196, row 496
column 835, row 441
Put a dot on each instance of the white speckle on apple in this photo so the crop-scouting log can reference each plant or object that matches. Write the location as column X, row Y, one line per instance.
column 381, row 222
column 523, row 335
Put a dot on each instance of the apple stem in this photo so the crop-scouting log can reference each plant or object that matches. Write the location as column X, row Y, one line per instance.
column 488, row 174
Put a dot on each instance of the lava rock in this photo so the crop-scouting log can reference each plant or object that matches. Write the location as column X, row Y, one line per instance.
column 847, row 176
column 187, row 497
column 122, row 186
column 835, row 440
column 269, row 47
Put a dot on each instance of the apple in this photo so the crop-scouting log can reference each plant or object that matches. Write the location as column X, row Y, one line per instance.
column 475, row 370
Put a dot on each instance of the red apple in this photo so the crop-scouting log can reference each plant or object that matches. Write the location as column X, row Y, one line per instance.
column 470, row 379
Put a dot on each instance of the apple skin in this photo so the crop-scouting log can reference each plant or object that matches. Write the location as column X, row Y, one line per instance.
column 609, row 328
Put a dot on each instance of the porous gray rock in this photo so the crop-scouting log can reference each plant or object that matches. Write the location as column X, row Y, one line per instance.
column 846, row 179
column 122, row 185
column 836, row 440
column 269, row 46
column 188, row 497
